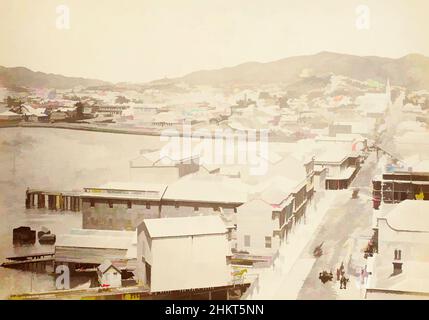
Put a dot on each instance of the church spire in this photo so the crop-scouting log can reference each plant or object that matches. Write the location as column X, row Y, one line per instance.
column 388, row 92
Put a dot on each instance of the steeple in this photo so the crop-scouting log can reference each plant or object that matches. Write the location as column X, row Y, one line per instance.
column 388, row 92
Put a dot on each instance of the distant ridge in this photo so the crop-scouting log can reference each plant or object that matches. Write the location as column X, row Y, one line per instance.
column 411, row 71
column 23, row 77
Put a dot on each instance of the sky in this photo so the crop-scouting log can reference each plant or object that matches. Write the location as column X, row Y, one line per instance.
column 143, row 40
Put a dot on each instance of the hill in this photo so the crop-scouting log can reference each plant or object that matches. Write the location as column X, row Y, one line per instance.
column 22, row 77
column 411, row 71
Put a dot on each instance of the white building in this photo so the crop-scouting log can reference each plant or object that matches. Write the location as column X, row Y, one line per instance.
column 400, row 269
column 264, row 221
column 341, row 165
column 183, row 253
column 109, row 275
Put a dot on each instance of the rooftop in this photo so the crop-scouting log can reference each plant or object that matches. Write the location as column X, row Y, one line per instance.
column 184, row 226
column 217, row 189
column 121, row 190
column 410, row 215
column 103, row 239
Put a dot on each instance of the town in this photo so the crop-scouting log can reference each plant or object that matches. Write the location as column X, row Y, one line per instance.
column 247, row 154
column 337, row 212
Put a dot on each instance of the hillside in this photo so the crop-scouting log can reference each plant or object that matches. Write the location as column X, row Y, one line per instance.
column 23, row 77
column 411, row 71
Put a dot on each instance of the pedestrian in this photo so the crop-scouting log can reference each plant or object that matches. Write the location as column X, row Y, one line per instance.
column 338, row 274
column 343, row 282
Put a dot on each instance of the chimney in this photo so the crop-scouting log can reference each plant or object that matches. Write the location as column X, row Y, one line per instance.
column 397, row 267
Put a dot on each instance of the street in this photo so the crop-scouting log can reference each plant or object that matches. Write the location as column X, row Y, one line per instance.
column 344, row 233
column 343, row 226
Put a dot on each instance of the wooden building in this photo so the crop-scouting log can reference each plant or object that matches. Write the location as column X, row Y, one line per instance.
column 83, row 248
column 183, row 253
column 120, row 206
column 394, row 187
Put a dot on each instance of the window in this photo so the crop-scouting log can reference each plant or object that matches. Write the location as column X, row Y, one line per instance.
column 216, row 209
column 235, row 210
column 176, row 206
column 147, row 205
column 129, row 204
column 247, row 241
column 267, row 242
column 110, row 204
column 92, row 203
column 196, row 209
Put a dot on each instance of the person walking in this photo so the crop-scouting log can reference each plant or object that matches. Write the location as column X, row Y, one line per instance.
column 343, row 282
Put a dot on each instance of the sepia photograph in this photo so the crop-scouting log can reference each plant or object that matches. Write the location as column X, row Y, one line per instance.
column 226, row 150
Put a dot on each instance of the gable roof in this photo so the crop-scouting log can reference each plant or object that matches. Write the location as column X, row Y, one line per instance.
column 106, row 265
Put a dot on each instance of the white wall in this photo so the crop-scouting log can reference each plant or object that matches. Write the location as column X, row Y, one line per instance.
column 112, row 279
column 254, row 218
column 188, row 262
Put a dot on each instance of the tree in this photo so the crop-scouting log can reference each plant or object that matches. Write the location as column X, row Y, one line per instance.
column 79, row 110
column 121, row 100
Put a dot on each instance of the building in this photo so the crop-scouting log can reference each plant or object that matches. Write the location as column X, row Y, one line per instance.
column 109, row 110
column 401, row 184
column 10, row 117
column 153, row 166
column 83, row 248
column 203, row 195
column 120, row 206
column 183, row 253
column 341, row 165
column 375, row 105
column 109, row 276
column 264, row 222
column 400, row 268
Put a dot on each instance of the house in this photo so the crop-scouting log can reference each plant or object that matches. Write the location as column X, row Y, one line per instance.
column 109, row 276
column 120, row 206
column 184, row 253
column 400, row 266
column 341, row 165
column 58, row 115
column 264, row 222
column 33, row 114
